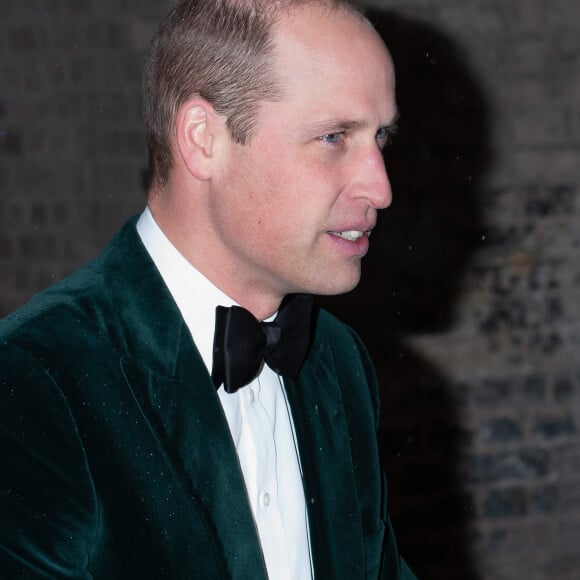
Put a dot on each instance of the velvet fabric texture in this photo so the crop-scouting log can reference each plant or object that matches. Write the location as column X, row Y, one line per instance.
column 116, row 457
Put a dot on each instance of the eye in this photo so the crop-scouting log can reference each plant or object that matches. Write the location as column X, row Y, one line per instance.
column 333, row 139
column 384, row 136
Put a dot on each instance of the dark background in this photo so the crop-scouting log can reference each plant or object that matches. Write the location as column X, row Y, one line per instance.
column 470, row 296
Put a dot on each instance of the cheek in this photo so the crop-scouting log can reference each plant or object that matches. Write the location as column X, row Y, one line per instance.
column 249, row 212
column 280, row 198
column 270, row 194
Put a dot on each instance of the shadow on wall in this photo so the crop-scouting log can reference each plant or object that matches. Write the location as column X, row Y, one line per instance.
column 410, row 285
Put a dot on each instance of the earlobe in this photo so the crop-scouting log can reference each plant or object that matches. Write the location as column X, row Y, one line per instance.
column 195, row 138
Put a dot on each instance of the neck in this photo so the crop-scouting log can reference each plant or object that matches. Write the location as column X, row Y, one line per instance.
column 187, row 237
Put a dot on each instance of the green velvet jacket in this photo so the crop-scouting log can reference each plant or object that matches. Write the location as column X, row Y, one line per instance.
column 116, row 458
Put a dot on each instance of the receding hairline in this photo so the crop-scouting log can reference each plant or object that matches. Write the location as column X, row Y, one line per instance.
column 161, row 106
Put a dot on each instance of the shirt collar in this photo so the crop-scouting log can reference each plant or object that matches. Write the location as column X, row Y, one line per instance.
column 195, row 296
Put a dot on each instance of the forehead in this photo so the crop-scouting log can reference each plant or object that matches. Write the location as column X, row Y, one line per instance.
column 333, row 59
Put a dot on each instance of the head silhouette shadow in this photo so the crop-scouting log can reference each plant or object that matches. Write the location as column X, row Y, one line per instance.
column 411, row 283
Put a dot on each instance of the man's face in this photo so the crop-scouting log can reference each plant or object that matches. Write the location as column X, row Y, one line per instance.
column 296, row 205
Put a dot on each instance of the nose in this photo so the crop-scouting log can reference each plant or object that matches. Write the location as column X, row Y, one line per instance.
column 375, row 185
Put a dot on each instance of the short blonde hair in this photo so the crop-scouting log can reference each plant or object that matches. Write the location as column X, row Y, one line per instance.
column 221, row 50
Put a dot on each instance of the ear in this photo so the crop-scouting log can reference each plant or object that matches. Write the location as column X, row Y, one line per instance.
column 196, row 126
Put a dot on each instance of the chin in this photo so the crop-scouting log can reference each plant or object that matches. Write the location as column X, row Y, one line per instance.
column 336, row 286
column 325, row 281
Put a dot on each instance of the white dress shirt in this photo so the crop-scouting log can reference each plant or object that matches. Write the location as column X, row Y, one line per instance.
column 258, row 417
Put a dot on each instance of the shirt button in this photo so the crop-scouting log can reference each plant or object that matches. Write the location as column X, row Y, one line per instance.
column 265, row 499
column 251, row 396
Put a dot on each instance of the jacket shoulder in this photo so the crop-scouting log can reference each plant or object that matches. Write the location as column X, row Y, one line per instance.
column 343, row 340
column 72, row 310
column 352, row 362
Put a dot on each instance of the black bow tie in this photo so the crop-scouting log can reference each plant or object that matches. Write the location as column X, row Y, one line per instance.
column 241, row 343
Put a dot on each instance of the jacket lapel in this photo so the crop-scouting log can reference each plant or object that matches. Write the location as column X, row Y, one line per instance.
column 329, row 482
column 174, row 391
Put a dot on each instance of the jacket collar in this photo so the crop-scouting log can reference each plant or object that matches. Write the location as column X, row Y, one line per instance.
column 171, row 384
column 174, row 390
column 329, row 482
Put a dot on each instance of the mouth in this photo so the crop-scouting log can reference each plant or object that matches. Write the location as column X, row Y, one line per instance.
column 351, row 235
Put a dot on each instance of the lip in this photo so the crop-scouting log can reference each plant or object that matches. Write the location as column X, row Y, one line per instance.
column 347, row 247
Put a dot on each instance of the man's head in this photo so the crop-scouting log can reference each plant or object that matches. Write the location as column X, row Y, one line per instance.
column 290, row 207
column 220, row 50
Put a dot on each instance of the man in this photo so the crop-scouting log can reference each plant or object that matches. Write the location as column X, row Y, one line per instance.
column 131, row 448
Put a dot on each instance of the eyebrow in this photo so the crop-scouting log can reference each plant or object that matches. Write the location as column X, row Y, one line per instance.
column 337, row 124
column 394, row 121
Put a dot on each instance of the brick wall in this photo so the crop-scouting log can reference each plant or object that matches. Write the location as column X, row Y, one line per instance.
column 475, row 284
column 72, row 153
column 469, row 302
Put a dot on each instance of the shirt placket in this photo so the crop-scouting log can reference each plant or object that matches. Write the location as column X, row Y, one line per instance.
column 258, row 428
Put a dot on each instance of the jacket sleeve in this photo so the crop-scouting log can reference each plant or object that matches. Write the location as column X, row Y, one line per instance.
column 47, row 502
